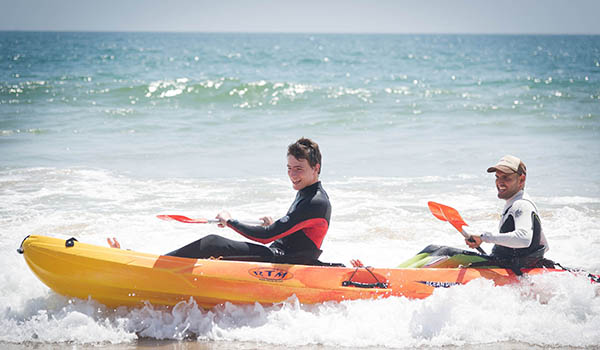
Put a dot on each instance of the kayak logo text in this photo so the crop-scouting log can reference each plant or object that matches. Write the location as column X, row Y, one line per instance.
column 439, row 284
column 270, row 274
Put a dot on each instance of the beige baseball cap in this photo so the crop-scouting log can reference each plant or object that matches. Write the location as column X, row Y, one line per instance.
column 509, row 164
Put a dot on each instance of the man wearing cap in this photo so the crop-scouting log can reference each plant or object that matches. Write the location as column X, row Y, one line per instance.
column 520, row 239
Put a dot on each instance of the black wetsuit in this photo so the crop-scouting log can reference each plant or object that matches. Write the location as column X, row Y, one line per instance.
column 296, row 237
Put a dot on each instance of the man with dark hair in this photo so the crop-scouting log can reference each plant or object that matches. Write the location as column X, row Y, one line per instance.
column 296, row 237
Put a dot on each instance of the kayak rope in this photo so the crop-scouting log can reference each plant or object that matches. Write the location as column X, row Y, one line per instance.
column 591, row 276
column 377, row 284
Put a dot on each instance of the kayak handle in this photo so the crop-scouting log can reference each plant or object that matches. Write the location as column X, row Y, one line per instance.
column 352, row 283
column 365, row 285
column 20, row 249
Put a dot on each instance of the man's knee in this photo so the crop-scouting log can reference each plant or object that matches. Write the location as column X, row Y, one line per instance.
column 211, row 239
column 212, row 242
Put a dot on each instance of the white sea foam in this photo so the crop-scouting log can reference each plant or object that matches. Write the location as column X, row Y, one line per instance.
column 551, row 310
column 380, row 221
column 102, row 145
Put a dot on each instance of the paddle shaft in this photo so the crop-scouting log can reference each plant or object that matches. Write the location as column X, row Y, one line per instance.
column 187, row 220
column 470, row 239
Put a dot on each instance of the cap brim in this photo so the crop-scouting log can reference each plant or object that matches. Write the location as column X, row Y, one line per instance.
column 502, row 168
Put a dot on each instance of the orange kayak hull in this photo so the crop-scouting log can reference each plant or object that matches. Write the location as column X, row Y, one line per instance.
column 117, row 277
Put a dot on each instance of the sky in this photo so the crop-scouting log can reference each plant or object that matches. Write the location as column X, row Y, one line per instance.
column 306, row 16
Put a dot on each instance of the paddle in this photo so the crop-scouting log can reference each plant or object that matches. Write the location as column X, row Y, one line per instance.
column 446, row 213
column 187, row 220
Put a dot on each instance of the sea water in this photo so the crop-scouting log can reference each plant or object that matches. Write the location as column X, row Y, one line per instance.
column 100, row 132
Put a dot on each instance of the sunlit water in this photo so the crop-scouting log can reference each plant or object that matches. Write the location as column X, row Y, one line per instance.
column 101, row 132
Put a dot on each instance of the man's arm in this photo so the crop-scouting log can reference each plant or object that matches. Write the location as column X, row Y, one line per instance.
column 279, row 229
column 308, row 215
column 522, row 235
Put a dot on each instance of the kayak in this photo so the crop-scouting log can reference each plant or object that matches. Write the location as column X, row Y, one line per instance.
column 118, row 277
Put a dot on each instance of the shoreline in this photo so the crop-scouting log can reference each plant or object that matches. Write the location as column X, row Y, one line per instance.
column 229, row 345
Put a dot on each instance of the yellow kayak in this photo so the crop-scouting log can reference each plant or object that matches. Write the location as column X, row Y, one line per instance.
column 117, row 277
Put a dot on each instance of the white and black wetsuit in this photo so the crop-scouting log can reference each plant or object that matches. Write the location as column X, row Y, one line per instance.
column 520, row 231
column 519, row 242
column 296, row 237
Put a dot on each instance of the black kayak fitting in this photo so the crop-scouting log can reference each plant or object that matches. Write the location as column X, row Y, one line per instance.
column 20, row 249
column 352, row 283
column 70, row 242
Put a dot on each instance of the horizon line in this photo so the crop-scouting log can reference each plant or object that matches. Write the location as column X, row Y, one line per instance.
column 293, row 32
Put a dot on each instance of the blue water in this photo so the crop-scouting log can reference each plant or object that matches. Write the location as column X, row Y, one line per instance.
column 130, row 101
column 99, row 132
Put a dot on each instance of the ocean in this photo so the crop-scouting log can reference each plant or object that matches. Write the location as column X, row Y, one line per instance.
column 100, row 132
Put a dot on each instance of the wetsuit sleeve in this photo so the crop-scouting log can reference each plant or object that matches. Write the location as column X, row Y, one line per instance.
column 522, row 235
column 306, row 215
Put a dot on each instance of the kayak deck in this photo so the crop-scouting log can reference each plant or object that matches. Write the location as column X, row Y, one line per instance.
column 117, row 277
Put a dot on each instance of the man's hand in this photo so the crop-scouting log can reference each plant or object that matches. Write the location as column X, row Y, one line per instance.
column 356, row 263
column 113, row 243
column 223, row 217
column 266, row 220
column 473, row 241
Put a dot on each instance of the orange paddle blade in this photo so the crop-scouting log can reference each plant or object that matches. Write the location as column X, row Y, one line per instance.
column 182, row 218
column 436, row 210
column 446, row 213
column 187, row 220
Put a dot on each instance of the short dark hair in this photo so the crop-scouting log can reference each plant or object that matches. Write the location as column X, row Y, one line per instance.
column 522, row 170
column 306, row 149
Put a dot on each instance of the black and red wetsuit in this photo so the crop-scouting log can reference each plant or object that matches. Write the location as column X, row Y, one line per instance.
column 298, row 235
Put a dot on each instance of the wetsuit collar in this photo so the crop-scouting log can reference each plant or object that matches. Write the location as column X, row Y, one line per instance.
column 310, row 188
column 513, row 199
